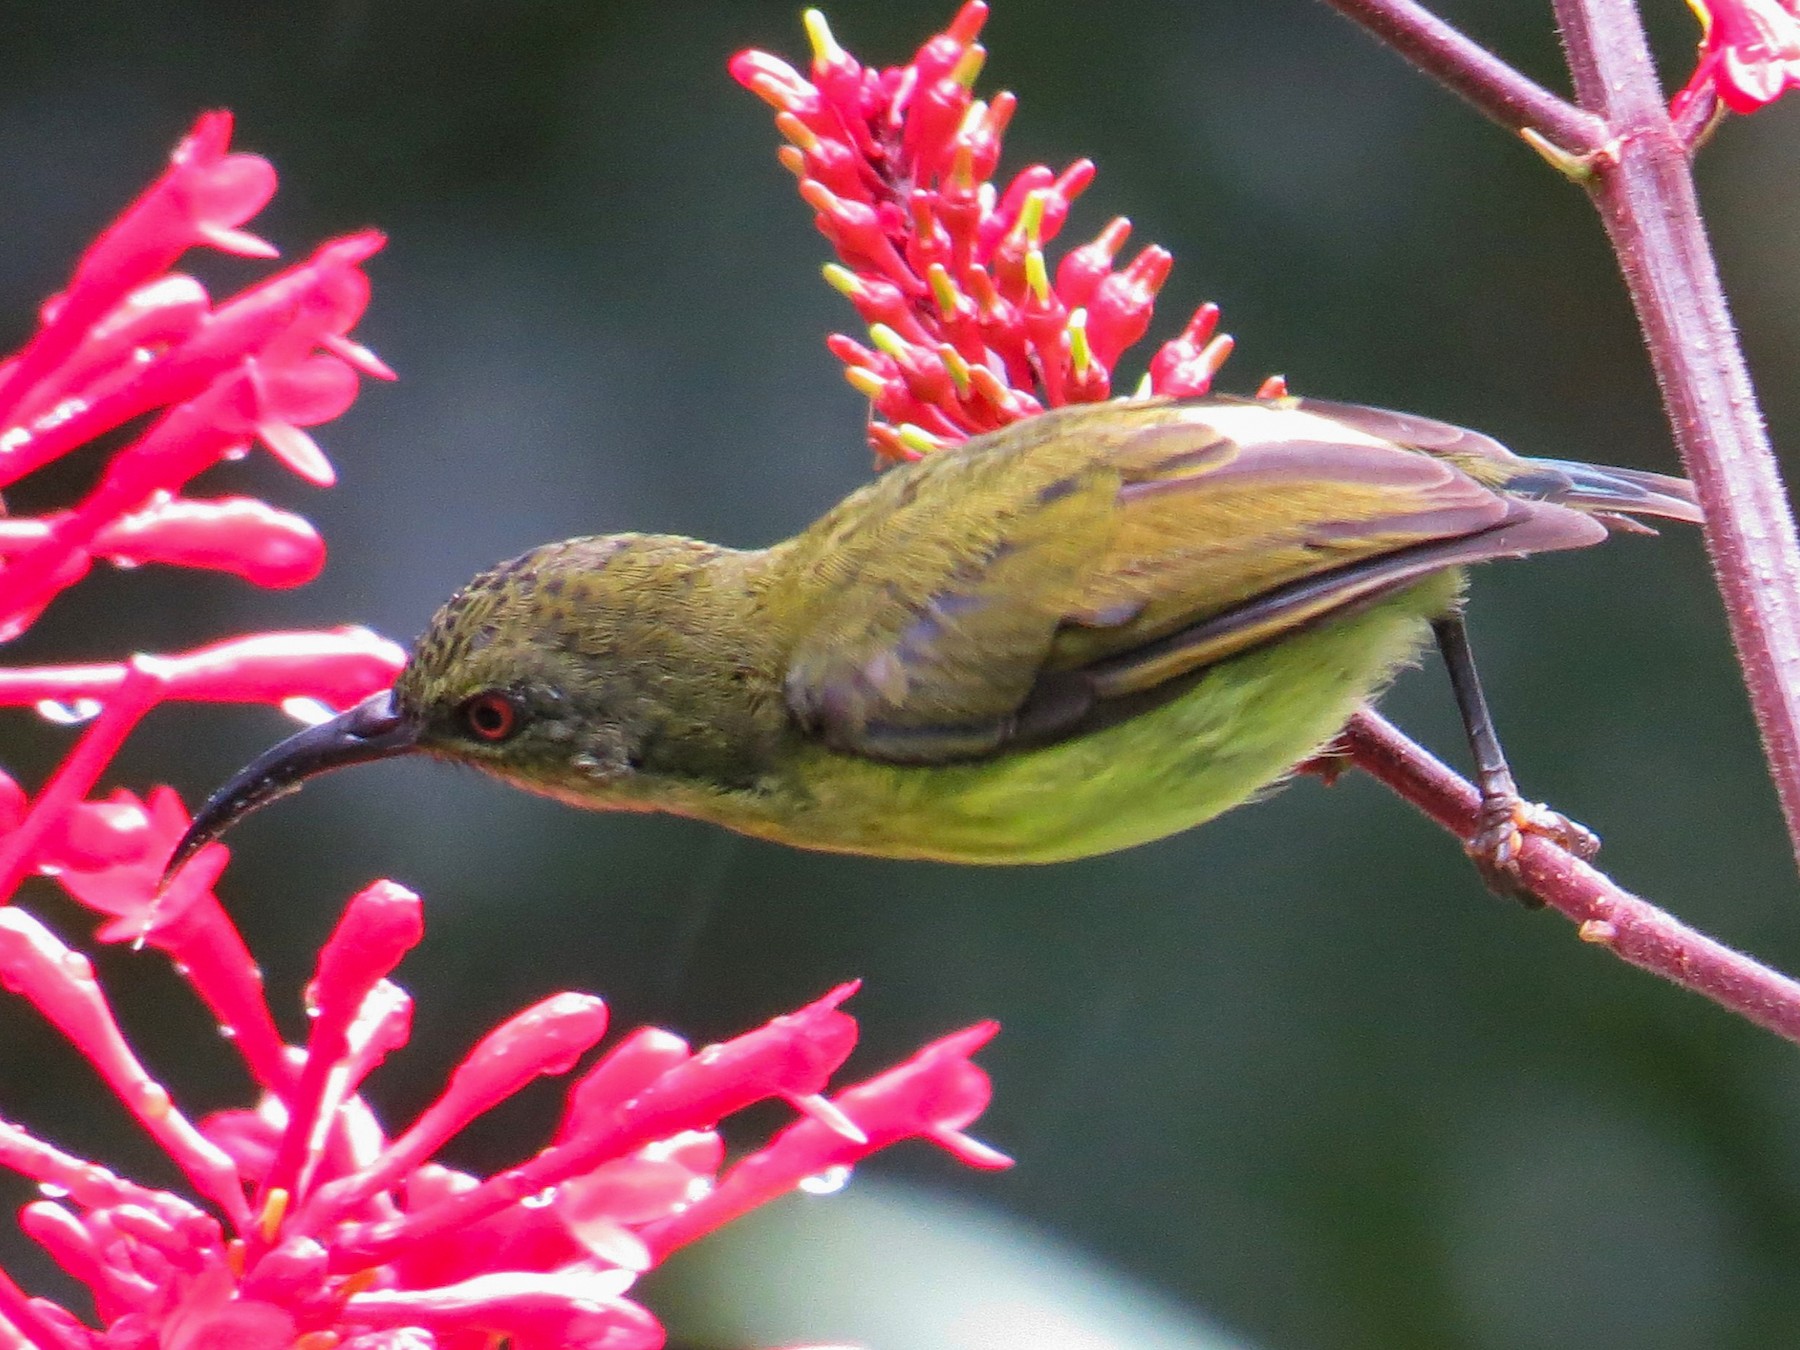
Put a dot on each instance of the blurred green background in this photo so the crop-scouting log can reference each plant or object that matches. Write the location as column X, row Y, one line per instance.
column 1296, row 1072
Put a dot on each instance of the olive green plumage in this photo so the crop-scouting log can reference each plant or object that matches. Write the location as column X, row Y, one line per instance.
column 1094, row 628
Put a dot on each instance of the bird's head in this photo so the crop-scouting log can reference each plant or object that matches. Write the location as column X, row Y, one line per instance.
column 545, row 671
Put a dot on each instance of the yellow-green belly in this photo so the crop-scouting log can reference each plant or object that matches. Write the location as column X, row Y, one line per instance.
column 1239, row 729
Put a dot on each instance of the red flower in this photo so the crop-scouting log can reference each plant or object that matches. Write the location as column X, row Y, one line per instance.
column 1749, row 53
column 130, row 339
column 308, row 1227
column 970, row 327
column 315, row 1228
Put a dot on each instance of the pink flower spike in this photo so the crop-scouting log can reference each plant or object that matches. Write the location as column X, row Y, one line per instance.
column 544, row 1039
column 573, row 1310
column 109, row 857
column 86, row 1183
column 88, row 392
column 137, row 692
column 288, row 398
column 931, row 1096
column 543, row 1253
column 202, row 940
column 898, row 165
column 60, row 984
column 73, row 1248
column 1084, row 268
column 203, row 196
column 36, row 1322
column 282, row 319
column 618, row 1076
column 1185, row 366
column 379, row 926
column 775, row 82
column 192, row 928
column 658, row 1180
column 338, row 667
column 383, row 1024
column 241, row 535
column 794, row 1054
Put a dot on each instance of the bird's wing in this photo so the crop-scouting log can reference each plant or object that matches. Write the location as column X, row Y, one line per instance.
column 1040, row 579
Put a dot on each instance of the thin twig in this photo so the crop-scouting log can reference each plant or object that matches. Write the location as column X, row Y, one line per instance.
column 1699, row 118
column 1628, row 925
column 1645, row 193
column 1489, row 83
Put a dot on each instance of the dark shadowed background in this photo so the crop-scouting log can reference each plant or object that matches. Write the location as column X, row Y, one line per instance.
column 1295, row 1072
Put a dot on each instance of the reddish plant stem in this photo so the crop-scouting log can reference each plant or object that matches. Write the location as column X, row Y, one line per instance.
column 1629, row 926
column 1698, row 119
column 1493, row 86
column 1645, row 194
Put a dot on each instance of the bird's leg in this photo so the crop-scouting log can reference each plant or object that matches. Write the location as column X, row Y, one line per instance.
column 1504, row 818
column 1329, row 762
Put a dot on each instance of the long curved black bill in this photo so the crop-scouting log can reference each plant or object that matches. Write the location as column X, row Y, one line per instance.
column 373, row 729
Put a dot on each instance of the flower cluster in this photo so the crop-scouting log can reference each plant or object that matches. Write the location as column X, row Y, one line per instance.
column 309, row 1226
column 1749, row 53
column 968, row 328
column 320, row 1230
column 130, row 339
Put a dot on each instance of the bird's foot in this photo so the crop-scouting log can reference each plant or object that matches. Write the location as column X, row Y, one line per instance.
column 1331, row 763
column 1501, row 828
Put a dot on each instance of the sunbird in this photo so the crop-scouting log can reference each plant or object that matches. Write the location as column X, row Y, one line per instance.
column 1093, row 628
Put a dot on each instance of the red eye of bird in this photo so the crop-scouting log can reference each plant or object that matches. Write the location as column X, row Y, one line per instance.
column 492, row 716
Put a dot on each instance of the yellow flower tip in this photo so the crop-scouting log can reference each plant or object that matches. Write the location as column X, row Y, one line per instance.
column 988, row 385
column 1037, row 276
column 956, row 368
column 962, row 167
column 235, row 1257
column 973, row 116
column 968, row 67
column 1031, row 216
column 1081, row 355
column 1215, row 353
column 943, row 290
column 818, row 32
column 917, row 439
column 865, row 381
column 793, row 161
column 888, row 342
column 796, row 131
column 816, row 195
column 1143, row 389
column 841, row 279
column 771, row 93
column 274, row 1210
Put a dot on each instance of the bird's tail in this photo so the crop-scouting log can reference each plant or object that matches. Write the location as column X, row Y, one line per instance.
column 1609, row 492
